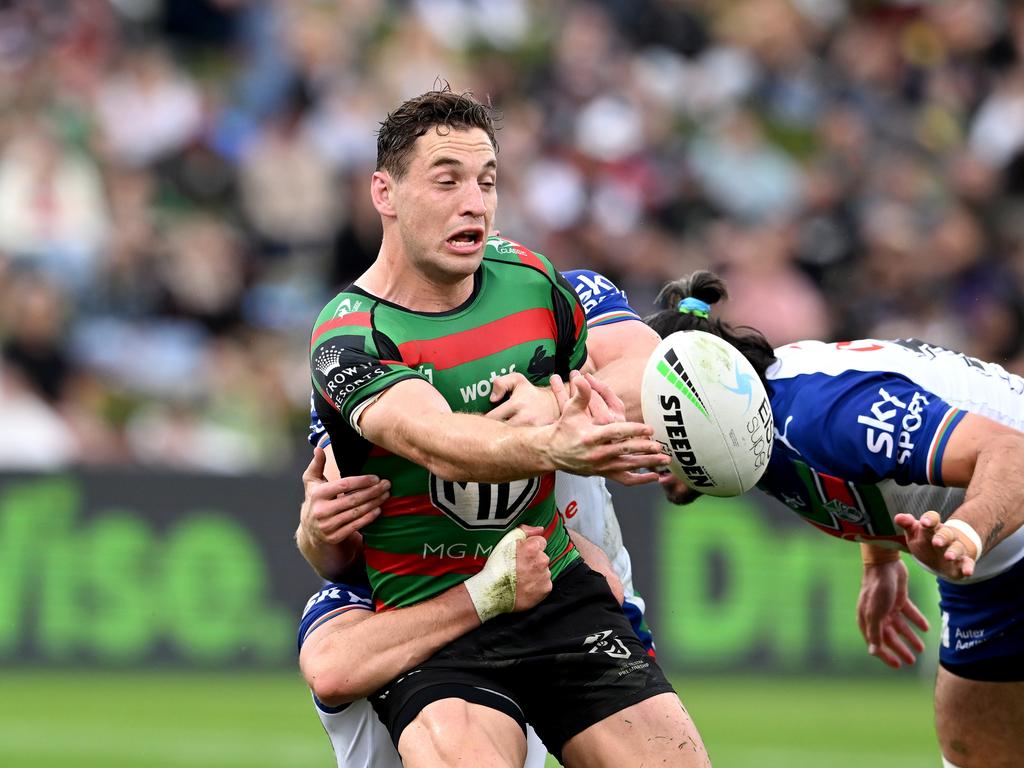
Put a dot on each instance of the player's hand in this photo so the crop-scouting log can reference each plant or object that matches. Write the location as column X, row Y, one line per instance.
column 333, row 510
column 676, row 491
column 943, row 549
column 522, row 404
column 578, row 444
column 605, row 406
column 883, row 608
column 533, row 576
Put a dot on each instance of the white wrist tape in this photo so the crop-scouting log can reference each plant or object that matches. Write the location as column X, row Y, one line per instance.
column 967, row 530
column 493, row 590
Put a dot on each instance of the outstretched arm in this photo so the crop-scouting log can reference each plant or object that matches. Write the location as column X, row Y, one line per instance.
column 987, row 458
column 884, row 608
column 412, row 419
column 353, row 654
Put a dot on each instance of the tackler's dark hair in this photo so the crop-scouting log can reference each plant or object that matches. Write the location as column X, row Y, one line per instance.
column 686, row 306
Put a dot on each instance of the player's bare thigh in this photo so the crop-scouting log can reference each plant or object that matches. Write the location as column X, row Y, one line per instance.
column 656, row 731
column 980, row 724
column 453, row 732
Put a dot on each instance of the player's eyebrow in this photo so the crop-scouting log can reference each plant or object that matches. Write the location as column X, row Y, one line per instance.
column 490, row 165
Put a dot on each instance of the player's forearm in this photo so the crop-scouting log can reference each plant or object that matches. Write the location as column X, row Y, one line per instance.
column 329, row 560
column 624, row 376
column 462, row 447
column 596, row 558
column 871, row 554
column 618, row 354
column 355, row 659
column 994, row 503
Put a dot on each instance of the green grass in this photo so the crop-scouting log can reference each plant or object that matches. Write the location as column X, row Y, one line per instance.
column 220, row 720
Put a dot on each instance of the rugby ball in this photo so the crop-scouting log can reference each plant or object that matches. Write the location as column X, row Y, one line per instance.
column 710, row 411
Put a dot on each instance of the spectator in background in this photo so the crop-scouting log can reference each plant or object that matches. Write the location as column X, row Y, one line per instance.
column 861, row 159
column 53, row 210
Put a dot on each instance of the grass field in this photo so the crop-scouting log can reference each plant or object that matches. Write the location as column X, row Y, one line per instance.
column 174, row 719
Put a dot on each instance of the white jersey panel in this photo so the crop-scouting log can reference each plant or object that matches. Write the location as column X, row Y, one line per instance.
column 358, row 737
column 963, row 382
column 984, row 388
column 586, row 505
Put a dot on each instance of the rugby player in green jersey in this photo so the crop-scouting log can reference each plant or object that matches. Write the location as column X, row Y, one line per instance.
column 444, row 310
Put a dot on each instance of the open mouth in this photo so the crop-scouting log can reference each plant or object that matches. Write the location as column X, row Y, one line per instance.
column 467, row 239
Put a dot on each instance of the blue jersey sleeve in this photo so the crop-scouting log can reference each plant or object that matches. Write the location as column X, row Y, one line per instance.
column 866, row 426
column 603, row 302
column 333, row 600
column 317, row 431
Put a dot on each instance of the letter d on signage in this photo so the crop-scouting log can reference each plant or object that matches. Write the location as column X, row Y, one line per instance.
column 712, row 587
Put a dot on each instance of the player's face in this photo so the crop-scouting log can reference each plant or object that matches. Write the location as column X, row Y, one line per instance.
column 445, row 203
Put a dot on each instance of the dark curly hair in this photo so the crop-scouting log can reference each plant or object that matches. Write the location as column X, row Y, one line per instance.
column 441, row 109
column 710, row 288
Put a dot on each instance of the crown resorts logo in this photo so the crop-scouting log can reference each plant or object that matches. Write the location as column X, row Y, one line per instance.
column 327, row 359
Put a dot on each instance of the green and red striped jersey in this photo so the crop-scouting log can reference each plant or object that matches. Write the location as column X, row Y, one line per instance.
column 433, row 534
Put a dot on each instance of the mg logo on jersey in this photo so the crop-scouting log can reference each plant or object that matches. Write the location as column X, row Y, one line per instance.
column 477, row 506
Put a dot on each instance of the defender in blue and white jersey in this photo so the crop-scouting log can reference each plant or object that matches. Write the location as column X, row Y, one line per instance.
column 877, row 442
column 358, row 738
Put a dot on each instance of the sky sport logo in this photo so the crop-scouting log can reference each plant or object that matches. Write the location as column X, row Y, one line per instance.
column 673, row 371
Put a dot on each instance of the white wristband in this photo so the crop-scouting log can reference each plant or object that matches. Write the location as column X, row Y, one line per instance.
column 493, row 590
column 967, row 530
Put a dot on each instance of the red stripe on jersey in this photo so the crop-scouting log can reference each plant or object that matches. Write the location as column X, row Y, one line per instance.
column 836, row 488
column 569, row 547
column 547, row 486
column 527, row 256
column 579, row 318
column 376, row 452
column 464, row 346
column 400, row 564
column 410, row 505
column 550, row 527
column 850, row 532
column 352, row 318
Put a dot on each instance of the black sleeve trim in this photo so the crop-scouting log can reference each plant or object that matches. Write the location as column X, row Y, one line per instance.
column 565, row 325
column 350, row 449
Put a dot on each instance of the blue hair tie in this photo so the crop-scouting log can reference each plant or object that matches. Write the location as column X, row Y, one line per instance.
column 692, row 306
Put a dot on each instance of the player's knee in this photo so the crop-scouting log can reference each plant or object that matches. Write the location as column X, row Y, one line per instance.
column 452, row 734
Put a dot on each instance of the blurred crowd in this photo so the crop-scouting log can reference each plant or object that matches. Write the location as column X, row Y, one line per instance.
column 183, row 184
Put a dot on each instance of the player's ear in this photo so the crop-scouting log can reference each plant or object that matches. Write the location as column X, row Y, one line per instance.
column 382, row 192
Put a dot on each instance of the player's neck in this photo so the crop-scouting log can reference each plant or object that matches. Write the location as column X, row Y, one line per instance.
column 393, row 278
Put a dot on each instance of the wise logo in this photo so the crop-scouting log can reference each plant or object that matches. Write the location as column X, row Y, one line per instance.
column 110, row 587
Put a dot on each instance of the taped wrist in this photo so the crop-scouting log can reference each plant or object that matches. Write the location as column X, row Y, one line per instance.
column 967, row 530
column 493, row 590
column 875, row 555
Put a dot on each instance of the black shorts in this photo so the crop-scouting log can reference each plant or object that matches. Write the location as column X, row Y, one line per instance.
column 562, row 666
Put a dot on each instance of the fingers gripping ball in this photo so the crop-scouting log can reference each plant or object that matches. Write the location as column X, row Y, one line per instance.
column 493, row 590
column 710, row 411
